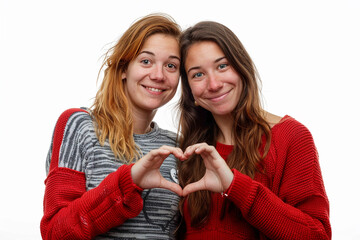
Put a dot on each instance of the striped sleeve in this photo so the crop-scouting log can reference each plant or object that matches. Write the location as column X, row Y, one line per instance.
column 71, row 212
column 77, row 144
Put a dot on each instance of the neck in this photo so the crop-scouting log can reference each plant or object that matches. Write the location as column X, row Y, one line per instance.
column 142, row 121
column 225, row 124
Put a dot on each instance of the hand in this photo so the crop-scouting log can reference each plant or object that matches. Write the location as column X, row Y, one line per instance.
column 146, row 171
column 218, row 176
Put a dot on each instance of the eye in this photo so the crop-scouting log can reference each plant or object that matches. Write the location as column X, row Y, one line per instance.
column 145, row 61
column 170, row 65
column 197, row 75
column 222, row 66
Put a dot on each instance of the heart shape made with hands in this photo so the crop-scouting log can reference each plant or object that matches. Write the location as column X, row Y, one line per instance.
column 217, row 178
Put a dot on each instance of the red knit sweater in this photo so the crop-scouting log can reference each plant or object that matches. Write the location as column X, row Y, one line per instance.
column 289, row 202
column 97, row 211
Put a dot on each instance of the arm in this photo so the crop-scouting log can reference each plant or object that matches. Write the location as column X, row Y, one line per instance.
column 71, row 212
column 300, row 210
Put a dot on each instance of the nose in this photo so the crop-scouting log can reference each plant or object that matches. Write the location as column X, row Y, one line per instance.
column 157, row 73
column 214, row 84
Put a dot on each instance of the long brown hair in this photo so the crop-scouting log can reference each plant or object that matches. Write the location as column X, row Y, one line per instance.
column 111, row 110
column 198, row 125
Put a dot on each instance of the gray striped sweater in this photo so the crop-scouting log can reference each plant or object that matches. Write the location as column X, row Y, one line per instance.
column 81, row 151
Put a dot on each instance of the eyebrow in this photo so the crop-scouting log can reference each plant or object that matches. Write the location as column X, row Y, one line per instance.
column 198, row 67
column 153, row 54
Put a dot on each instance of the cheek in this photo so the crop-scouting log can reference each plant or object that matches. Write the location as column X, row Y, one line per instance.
column 129, row 83
column 174, row 80
column 196, row 89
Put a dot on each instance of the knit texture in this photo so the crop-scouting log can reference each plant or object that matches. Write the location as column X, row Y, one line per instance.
column 287, row 202
column 90, row 195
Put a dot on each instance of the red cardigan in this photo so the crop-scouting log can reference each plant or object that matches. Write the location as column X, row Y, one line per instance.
column 289, row 202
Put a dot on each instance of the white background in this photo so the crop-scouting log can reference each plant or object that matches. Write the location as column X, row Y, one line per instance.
column 307, row 53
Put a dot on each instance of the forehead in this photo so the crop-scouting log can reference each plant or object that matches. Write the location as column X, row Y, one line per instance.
column 201, row 52
column 161, row 41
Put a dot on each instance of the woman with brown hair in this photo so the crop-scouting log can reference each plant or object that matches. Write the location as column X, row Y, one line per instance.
column 249, row 174
column 112, row 175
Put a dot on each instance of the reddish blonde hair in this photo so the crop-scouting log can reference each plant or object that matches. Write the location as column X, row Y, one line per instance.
column 111, row 111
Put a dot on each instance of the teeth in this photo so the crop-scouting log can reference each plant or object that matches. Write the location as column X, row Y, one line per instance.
column 154, row 89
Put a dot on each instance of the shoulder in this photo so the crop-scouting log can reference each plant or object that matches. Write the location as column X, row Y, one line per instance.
column 71, row 120
column 76, row 117
column 79, row 126
column 290, row 126
column 74, row 120
column 290, row 131
column 165, row 135
column 73, row 128
column 168, row 134
column 78, row 139
column 272, row 119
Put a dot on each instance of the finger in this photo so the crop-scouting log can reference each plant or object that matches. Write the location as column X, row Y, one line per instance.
column 210, row 155
column 158, row 154
column 193, row 148
column 147, row 161
column 193, row 187
column 177, row 152
column 171, row 186
column 205, row 149
column 159, row 151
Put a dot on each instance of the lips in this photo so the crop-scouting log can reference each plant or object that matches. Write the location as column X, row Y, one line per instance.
column 154, row 89
column 218, row 97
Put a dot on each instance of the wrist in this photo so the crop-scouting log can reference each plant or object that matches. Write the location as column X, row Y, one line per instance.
column 228, row 181
column 133, row 173
column 133, row 178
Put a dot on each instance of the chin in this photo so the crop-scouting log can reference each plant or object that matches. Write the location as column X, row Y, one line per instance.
column 221, row 113
column 153, row 106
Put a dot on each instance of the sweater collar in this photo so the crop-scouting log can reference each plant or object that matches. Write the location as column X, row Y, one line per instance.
column 224, row 150
column 150, row 135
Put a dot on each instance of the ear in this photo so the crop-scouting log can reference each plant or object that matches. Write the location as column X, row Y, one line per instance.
column 123, row 75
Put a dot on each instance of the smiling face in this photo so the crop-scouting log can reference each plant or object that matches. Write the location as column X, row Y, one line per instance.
column 215, row 85
column 152, row 77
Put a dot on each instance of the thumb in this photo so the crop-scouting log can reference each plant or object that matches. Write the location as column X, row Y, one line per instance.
column 171, row 186
column 193, row 187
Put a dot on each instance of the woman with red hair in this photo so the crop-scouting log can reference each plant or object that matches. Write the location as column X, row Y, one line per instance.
column 111, row 177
